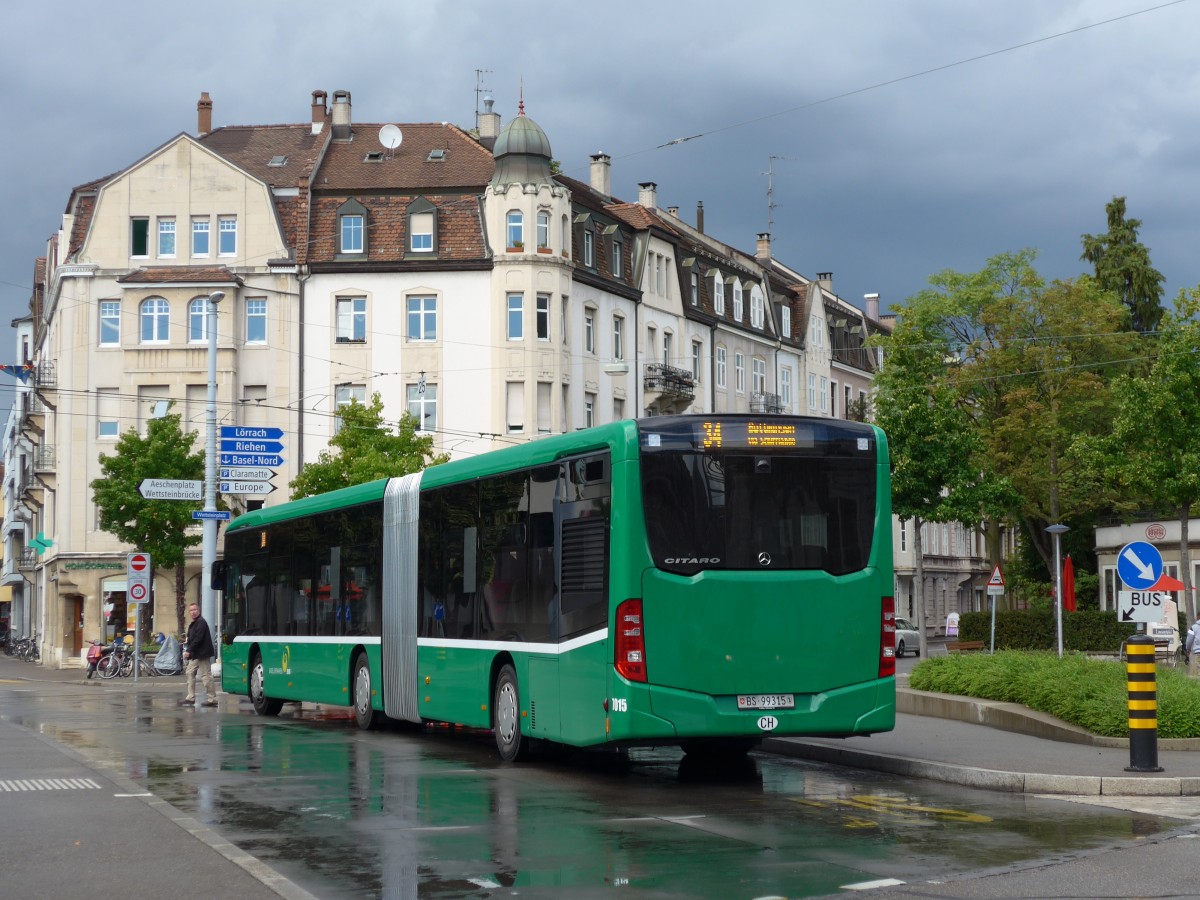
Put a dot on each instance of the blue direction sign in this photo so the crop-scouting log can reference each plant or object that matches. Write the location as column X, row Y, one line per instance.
column 222, row 514
column 1140, row 565
column 257, row 460
column 251, row 433
column 250, row 446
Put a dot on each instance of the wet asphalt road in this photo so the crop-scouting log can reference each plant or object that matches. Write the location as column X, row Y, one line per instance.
column 432, row 812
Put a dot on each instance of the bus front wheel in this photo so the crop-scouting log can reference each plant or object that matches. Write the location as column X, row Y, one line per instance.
column 364, row 714
column 506, row 717
column 263, row 705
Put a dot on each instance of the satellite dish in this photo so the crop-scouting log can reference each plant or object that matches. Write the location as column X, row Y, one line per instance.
column 390, row 136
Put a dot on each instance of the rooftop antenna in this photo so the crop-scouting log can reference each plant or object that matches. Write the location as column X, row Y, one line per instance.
column 479, row 91
column 391, row 137
column 771, row 204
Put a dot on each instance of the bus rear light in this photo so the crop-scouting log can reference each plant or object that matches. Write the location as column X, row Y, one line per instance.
column 630, row 644
column 887, row 638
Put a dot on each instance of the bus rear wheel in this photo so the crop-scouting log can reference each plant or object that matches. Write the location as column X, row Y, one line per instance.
column 263, row 705
column 366, row 717
column 506, row 717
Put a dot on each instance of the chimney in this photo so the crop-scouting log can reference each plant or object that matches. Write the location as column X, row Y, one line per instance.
column 204, row 114
column 762, row 249
column 825, row 280
column 341, row 116
column 320, row 111
column 602, row 174
column 872, row 306
column 700, row 216
column 489, row 124
column 648, row 194
column 673, row 211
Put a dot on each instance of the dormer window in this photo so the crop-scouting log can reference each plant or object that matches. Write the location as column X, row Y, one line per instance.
column 422, row 226
column 352, row 229
column 437, row 155
column 375, row 156
column 277, row 162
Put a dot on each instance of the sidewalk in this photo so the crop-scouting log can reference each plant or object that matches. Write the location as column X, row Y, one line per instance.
column 1003, row 747
column 73, row 824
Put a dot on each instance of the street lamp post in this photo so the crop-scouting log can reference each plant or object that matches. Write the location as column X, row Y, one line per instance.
column 1058, row 531
column 208, row 554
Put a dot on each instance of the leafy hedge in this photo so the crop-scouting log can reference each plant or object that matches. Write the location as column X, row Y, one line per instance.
column 1089, row 693
column 1036, row 629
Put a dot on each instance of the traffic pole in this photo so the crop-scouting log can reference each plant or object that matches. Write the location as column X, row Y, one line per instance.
column 1141, row 673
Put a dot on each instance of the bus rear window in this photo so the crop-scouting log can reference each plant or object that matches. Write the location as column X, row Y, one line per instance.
column 781, row 494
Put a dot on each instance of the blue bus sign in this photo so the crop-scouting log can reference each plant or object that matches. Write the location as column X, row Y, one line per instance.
column 1140, row 565
column 219, row 514
column 250, row 446
column 255, row 460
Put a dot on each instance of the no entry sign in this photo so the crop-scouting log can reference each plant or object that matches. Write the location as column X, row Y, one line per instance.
column 137, row 577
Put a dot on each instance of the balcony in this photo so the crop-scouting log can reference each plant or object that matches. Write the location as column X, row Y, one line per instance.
column 28, row 560
column 670, row 382
column 762, row 402
column 44, row 458
column 45, row 375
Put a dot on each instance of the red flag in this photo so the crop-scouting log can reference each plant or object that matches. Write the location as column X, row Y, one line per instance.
column 1068, row 585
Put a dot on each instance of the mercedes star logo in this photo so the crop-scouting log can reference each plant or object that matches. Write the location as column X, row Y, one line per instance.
column 764, row 558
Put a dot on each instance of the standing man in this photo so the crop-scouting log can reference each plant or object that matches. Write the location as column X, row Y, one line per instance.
column 198, row 653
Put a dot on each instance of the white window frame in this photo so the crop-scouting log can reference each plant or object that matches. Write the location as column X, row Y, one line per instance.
column 589, row 330
column 420, row 235
column 344, row 395
column 351, row 228
column 421, row 315
column 110, row 321
column 589, row 247
column 812, row 390
column 718, row 294
column 201, row 231
column 157, row 312
column 618, row 338
column 514, row 230
column 543, row 230
column 256, row 320
column 542, row 317
column 785, row 387
column 785, row 320
column 108, row 421
column 757, row 319
column 422, row 405
column 737, row 300
column 824, row 394
column 350, row 320
column 227, row 228
column 514, row 317
column 739, row 372
column 198, row 320
column 167, row 238
column 618, row 253
column 722, row 360
column 758, row 375
column 697, row 355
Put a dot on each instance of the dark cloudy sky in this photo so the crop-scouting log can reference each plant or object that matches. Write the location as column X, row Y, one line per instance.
column 908, row 137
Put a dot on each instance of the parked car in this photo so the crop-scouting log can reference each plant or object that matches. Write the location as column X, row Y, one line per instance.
column 907, row 638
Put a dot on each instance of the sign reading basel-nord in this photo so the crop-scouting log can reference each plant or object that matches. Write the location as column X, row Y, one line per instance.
column 247, row 452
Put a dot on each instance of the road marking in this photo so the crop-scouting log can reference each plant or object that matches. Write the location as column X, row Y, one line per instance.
column 871, row 885
column 13, row 785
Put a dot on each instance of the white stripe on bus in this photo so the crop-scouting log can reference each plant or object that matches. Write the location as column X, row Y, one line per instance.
column 448, row 643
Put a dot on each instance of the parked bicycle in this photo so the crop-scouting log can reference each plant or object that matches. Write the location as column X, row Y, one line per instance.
column 25, row 648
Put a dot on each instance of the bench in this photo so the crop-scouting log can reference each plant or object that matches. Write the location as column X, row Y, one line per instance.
column 963, row 646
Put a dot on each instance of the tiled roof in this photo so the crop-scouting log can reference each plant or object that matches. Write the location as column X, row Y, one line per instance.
column 459, row 232
column 180, row 275
column 252, row 147
column 465, row 164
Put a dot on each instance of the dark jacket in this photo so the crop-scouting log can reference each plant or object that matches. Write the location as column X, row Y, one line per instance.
column 199, row 643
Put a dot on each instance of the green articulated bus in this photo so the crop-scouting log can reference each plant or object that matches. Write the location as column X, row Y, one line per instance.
column 696, row 580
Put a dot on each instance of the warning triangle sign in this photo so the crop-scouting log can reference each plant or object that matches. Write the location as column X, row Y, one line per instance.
column 997, row 579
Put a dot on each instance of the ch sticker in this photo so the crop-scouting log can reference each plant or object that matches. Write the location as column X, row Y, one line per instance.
column 768, row 723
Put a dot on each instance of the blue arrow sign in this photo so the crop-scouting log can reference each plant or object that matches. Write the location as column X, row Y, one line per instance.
column 1140, row 565
column 250, row 446
column 221, row 514
column 269, row 460
column 251, row 432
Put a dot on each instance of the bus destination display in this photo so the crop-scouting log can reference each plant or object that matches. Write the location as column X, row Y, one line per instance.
column 752, row 434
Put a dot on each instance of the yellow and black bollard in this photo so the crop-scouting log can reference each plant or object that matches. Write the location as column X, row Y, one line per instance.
column 1143, row 704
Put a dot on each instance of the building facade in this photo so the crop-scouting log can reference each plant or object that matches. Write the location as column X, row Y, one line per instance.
column 454, row 274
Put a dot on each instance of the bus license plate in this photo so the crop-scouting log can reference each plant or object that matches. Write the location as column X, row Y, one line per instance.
column 766, row 701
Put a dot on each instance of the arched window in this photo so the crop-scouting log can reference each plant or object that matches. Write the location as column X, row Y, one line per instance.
column 155, row 315
column 515, row 230
column 198, row 321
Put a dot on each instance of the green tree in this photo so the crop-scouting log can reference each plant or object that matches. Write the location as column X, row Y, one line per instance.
column 1122, row 265
column 365, row 449
column 1154, row 448
column 938, row 472
column 162, row 528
